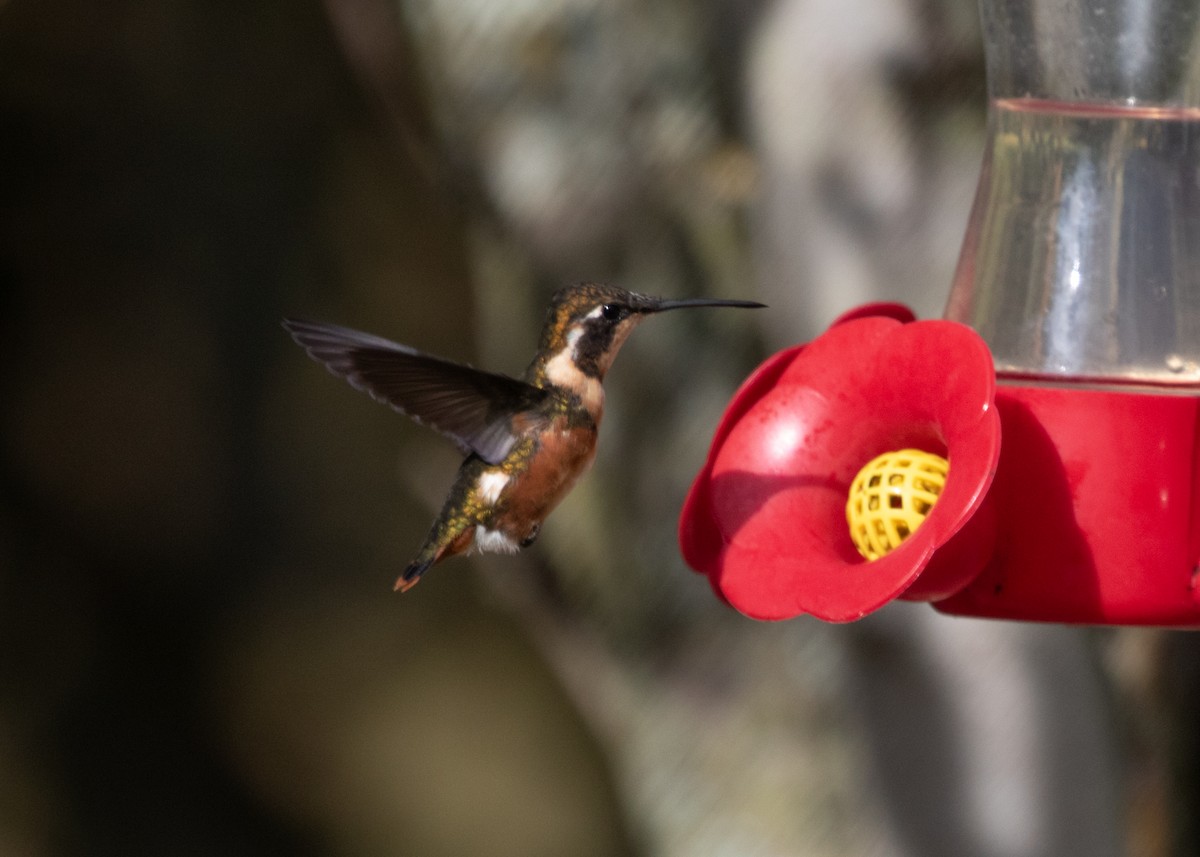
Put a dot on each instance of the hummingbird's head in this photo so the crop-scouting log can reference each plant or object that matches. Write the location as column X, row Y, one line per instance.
column 588, row 323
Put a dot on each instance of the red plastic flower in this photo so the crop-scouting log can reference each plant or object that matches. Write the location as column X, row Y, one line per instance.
column 765, row 518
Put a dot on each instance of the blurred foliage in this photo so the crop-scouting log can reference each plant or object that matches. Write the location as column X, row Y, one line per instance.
column 199, row 529
column 199, row 652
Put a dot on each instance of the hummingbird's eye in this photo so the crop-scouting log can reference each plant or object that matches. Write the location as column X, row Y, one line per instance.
column 613, row 312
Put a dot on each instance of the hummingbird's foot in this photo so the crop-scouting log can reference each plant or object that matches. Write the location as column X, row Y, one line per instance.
column 532, row 537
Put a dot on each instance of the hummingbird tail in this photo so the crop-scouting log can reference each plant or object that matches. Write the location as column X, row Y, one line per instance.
column 446, row 539
column 411, row 575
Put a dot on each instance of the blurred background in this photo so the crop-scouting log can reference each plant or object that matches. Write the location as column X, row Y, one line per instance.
column 200, row 652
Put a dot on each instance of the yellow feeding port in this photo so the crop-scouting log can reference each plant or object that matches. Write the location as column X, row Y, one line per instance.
column 891, row 496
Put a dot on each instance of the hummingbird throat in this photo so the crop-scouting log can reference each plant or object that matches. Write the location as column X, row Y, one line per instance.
column 564, row 370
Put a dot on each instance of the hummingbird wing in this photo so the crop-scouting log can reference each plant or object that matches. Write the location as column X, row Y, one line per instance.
column 477, row 410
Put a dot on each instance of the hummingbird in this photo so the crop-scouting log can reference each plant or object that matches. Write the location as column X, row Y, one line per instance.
column 526, row 441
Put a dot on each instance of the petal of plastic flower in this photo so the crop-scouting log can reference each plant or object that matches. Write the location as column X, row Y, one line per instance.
column 765, row 518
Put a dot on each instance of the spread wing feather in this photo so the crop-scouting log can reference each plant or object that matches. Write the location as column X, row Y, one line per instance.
column 473, row 408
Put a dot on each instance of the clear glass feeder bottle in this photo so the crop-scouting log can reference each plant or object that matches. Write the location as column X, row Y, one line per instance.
column 1081, row 261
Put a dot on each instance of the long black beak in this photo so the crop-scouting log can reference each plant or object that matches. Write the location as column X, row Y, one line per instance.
column 649, row 305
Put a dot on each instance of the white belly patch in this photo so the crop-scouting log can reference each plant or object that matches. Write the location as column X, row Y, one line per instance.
column 491, row 483
column 493, row 541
